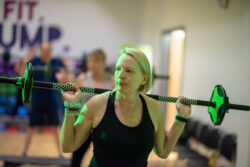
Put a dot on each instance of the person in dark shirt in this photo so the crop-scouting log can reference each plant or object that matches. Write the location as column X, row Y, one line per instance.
column 125, row 124
column 45, row 103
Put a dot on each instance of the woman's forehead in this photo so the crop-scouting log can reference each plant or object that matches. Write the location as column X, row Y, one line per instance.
column 126, row 60
column 94, row 59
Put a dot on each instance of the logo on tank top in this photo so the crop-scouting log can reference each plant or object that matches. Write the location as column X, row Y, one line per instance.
column 103, row 135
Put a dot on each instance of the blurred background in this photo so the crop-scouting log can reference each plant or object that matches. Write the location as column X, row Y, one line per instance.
column 192, row 46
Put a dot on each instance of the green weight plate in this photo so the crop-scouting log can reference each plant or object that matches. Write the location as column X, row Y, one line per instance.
column 220, row 98
column 28, row 81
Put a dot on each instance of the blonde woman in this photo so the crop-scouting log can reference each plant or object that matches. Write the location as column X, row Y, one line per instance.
column 96, row 77
column 125, row 124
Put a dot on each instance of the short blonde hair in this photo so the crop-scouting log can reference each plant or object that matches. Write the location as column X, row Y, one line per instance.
column 143, row 62
column 98, row 55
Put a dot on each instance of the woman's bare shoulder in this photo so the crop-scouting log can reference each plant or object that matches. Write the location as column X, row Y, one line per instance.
column 98, row 100
column 154, row 109
column 152, row 103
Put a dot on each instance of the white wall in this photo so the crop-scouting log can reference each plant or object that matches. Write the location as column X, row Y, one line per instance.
column 85, row 24
column 244, row 137
column 216, row 52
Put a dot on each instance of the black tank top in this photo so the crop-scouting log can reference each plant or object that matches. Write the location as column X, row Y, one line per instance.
column 117, row 145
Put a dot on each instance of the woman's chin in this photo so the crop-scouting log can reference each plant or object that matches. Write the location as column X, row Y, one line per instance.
column 120, row 88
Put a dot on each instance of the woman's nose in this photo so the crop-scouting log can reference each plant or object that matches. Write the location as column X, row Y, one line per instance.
column 122, row 75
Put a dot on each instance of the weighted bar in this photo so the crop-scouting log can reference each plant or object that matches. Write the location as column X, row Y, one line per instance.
column 65, row 87
column 217, row 106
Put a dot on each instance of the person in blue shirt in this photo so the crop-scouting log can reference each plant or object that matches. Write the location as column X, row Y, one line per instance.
column 45, row 104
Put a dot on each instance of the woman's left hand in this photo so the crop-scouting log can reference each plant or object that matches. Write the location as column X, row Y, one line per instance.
column 183, row 110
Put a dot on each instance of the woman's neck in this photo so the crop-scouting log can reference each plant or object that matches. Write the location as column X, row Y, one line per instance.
column 130, row 100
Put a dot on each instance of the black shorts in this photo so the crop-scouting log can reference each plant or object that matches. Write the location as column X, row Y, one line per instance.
column 45, row 117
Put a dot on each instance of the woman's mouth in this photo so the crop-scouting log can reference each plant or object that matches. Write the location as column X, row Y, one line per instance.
column 122, row 84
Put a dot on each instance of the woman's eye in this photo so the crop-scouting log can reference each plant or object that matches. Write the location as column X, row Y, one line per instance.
column 129, row 70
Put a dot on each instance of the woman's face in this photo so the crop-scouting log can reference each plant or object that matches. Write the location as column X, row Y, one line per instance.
column 128, row 74
column 94, row 66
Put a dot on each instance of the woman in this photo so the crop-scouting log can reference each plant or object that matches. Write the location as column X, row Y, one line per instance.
column 95, row 77
column 125, row 124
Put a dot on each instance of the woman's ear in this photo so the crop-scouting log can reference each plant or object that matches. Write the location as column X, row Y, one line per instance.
column 145, row 79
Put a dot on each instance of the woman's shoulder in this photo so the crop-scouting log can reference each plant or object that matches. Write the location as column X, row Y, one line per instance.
column 81, row 75
column 151, row 103
column 155, row 110
column 98, row 101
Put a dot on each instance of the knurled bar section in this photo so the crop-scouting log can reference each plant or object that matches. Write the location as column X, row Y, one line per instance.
column 174, row 99
column 66, row 87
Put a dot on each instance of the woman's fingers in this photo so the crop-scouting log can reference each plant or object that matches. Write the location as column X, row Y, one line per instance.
column 183, row 110
column 74, row 86
column 72, row 96
column 179, row 100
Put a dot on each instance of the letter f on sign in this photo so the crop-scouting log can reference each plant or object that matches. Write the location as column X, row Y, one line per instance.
column 8, row 7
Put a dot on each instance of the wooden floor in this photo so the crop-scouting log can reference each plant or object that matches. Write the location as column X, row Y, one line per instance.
column 43, row 145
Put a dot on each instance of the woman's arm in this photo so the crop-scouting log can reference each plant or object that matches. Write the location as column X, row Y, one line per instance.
column 165, row 141
column 74, row 133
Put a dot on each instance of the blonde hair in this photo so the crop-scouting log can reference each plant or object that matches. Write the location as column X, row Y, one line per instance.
column 98, row 55
column 143, row 62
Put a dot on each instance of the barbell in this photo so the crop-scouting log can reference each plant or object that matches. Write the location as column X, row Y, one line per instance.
column 218, row 105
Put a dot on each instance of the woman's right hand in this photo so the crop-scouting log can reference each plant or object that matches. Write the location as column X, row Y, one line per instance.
column 72, row 96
